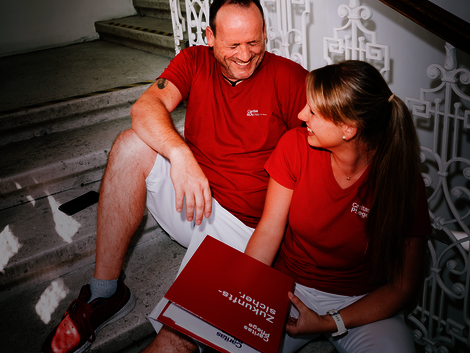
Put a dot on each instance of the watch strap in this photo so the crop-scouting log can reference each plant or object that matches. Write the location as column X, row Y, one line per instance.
column 338, row 321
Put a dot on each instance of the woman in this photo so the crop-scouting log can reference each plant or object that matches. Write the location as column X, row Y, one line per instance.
column 349, row 190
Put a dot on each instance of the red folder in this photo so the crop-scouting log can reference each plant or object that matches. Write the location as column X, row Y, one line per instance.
column 229, row 301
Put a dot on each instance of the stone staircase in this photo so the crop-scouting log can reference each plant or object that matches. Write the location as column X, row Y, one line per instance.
column 53, row 148
column 151, row 30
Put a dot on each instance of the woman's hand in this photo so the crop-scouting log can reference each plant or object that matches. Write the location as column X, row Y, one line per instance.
column 309, row 321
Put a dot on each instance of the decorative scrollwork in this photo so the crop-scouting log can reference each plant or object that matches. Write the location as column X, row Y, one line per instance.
column 466, row 173
column 435, row 71
column 449, row 261
column 417, row 335
column 178, row 23
column 464, row 76
column 197, row 13
column 355, row 46
column 442, row 349
column 452, row 264
column 284, row 38
column 427, row 179
column 458, row 191
column 354, row 11
column 422, row 157
column 343, row 11
column 458, row 289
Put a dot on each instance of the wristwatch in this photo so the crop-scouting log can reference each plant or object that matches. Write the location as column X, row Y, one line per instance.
column 339, row 322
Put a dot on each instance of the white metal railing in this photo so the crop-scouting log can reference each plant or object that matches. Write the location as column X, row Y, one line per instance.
column 441, row 319
column 353, row 45
column 178, row 22
column 285, row 36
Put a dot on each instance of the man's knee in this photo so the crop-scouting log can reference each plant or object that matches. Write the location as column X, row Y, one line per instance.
column 170, row 340
column 129, row 150
column 128, row 141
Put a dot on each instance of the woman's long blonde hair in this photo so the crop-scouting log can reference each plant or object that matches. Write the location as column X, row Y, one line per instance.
column 355, row 93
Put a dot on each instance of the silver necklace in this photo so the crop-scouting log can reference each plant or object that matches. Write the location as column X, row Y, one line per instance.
column 357, row 171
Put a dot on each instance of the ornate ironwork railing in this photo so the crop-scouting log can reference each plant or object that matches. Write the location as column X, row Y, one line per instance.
column 178, row 22
column 284, row 38
column 353, row 46
column 441, row 319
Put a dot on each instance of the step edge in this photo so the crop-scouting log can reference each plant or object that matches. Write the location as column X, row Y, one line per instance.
column 61, row 108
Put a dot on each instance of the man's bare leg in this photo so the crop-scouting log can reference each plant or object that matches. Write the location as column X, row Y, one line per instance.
column 122, row 202
column 120, row 210
column 171, row 341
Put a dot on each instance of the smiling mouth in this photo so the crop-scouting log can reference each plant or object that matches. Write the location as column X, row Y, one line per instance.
column 242, row 63
column 310, row 130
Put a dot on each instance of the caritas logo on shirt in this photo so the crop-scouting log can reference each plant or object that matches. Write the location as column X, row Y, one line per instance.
column 360, row 210
column 255, row 112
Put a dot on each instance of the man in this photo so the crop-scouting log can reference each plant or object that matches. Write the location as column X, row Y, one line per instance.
column 240, row 100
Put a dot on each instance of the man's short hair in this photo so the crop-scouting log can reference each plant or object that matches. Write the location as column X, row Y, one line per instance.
column 217, row 4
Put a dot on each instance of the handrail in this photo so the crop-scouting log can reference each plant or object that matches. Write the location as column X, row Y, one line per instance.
column 435, row 19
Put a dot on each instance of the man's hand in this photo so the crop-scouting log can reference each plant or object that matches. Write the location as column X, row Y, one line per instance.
column 152, row 122
column 308, row 322
column 190, row 182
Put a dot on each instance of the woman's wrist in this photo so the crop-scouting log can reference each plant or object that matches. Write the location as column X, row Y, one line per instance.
column 328, row 324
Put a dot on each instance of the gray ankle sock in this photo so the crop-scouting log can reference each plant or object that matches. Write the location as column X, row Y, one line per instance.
column 101, row 288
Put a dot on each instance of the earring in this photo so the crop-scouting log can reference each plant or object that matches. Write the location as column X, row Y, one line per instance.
column 344, row 137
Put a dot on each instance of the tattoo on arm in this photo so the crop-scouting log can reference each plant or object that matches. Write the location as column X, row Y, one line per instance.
column 162, row 83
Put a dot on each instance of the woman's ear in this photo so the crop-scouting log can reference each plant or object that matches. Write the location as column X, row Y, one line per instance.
column 349, row 132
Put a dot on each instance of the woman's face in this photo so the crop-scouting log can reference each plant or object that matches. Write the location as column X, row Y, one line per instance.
column 321, row 132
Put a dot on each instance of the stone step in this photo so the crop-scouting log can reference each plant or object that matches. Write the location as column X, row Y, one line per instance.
column 156, row 8
column 50, row 164
column 68, row 113
column 144, row 33
column 45, row 243
column 37, row 78
column 150, row 269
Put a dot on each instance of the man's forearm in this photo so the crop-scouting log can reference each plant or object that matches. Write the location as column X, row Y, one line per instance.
column 152, row 122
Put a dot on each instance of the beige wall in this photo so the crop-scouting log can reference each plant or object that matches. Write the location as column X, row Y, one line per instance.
column 29, row 25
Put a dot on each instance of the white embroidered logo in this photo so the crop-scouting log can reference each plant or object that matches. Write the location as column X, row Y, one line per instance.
column 253, row 113
column 360, row 210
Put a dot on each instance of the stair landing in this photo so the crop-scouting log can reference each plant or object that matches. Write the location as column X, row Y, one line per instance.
column 60, row 73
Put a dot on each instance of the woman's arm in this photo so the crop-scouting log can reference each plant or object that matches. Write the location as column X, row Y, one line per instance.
column 267, row 237
column 382, row 303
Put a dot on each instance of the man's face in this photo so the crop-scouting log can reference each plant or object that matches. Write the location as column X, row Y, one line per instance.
column 239, row 46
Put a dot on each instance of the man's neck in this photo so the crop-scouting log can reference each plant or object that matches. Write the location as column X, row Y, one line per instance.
column 233, row 83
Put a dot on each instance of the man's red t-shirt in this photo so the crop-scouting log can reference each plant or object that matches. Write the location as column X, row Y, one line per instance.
column 325, row 243
column 233, row 130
